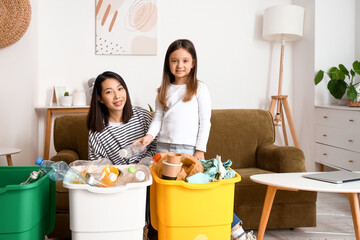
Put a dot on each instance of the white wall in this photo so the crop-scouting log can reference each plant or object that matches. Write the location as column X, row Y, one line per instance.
column 303, row 70
column 240, row 68
column 19, row 80
column 357, row 30
column 334, row 40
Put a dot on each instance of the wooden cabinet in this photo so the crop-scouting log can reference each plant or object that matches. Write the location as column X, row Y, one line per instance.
column 337, row 137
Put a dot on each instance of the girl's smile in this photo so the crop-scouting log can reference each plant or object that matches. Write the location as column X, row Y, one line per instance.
column 181, row 63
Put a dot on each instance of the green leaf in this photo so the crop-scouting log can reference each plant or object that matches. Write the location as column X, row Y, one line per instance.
column 352, row 73
column 343, row 69
column 332, row 72
column 351, row 93
column 356, row 67
column 336, row 74
column 319, row 76
column 150, row 108
column 337, row 88
column 66, row 94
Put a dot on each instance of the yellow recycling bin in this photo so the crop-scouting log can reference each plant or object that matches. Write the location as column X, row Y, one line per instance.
column 181, row 210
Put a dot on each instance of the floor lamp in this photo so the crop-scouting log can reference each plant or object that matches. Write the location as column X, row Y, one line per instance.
column 283, row 23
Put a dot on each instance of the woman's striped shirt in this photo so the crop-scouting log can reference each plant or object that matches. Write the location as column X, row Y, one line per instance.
column 107, row 144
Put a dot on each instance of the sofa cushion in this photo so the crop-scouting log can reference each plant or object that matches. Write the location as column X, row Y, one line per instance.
column 236, row 134
column 71, row 133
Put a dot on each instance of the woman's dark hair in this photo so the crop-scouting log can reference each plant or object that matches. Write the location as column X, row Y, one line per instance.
column 98, row 116
column 168, row 77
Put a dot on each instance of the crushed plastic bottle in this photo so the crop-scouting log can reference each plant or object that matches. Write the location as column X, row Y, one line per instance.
column 106, row 178
column 34, row 176
column 133, row 174
column 132, row 150
column 60, row 171
column 146, row 161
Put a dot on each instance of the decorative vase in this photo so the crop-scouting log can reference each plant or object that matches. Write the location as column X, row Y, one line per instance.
column 79, row 98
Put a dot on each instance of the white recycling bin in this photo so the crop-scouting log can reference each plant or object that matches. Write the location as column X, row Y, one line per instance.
column 108, row 213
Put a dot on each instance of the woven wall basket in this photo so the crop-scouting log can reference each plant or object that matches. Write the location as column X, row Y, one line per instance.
column 15, row 16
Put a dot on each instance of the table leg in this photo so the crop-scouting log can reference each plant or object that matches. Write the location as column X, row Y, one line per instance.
column 269, row 199
column 9, row 160
column 354, row 204
column 47, row 134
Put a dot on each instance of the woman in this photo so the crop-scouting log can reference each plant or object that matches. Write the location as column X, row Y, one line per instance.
column 113, row 122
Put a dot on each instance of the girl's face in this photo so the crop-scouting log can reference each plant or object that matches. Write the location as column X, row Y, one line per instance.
column 113, row 95
column 181, row 63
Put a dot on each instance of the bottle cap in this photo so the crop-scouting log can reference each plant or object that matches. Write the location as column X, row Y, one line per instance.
column 131, row 169
column 123, row 153
column 140, row 176
column 157, row 157
column 39, row 161
column 34, row 174
column 113, row 177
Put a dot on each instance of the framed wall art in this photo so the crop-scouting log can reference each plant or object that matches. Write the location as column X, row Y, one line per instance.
column 126, row 27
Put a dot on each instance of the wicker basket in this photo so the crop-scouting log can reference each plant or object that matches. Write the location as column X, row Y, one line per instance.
column 15, row 16
column 353, row 103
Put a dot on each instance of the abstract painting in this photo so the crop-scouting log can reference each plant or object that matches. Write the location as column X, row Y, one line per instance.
column 126, row 27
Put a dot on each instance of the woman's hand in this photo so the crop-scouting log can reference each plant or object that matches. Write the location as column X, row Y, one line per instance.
column 146, row 140
column 199, row 154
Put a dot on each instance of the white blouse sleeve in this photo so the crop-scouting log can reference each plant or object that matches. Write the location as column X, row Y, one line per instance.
column 155, row 125
column 204, row 103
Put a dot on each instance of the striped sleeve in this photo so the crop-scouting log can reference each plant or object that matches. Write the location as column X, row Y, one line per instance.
column 107, row 144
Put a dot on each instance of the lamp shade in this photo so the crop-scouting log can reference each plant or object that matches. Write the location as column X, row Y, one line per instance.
column 285, row 21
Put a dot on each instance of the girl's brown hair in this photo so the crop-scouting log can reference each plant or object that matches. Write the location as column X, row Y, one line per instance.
column 168, row 77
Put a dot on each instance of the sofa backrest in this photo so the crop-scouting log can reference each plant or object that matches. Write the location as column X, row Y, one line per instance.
column 236, row 133
column 70, row 132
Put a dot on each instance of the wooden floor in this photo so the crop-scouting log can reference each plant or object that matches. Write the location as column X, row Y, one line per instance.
column 334, row 221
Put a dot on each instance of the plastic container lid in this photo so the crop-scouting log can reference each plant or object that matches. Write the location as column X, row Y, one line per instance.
column 140, row 176
column 113, row 177
column 39, row 161
column 157, row 157
column 131, row 169
column 123, row 153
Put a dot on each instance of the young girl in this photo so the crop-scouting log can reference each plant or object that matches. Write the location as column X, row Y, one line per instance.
column 183, row 105
column 183, row 110
column 113, row 122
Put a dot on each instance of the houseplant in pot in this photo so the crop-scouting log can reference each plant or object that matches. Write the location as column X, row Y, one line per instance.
column 66, row 100
column 342, row 81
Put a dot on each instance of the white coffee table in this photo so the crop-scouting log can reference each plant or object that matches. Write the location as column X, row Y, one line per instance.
column 7, row 151
column 295, row 182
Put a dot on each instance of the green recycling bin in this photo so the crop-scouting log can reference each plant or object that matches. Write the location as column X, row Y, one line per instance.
column 27, row 212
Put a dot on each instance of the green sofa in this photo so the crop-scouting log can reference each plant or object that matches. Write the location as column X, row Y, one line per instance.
column 244, row 136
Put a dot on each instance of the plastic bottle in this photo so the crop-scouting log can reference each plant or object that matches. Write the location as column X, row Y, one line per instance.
column 60, row 171
column 106, row 178
column 133, row 174
column 34, row 176
column 132, row 150
column 146, row 161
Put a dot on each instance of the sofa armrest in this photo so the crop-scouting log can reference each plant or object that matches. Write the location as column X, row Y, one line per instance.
column 67, row 156
column 280, row 159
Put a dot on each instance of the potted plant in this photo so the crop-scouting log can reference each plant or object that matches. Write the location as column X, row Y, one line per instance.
column 342, row 81
column 66, row 100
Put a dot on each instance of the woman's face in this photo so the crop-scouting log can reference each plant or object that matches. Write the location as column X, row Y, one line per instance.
column 113, row 95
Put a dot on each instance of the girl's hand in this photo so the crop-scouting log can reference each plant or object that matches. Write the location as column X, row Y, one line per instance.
column 146, row 140
column 199, row 154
